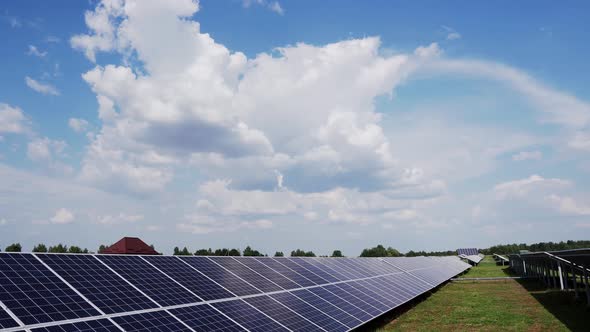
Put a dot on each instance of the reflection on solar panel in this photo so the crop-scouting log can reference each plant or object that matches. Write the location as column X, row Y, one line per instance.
column 221, row 276
column 190, row 278
column 99, row 325
column 149, row 280
column 36, row 295
column 157, row 293
column 99, row 284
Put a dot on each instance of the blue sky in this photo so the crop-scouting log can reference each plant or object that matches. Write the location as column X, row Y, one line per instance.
column 286, row 124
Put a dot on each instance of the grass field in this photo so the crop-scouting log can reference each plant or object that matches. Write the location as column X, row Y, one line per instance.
column 506, row 305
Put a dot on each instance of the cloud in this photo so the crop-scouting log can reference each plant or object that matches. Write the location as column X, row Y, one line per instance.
column 3, row 222
column 52, row 39
column 44, row 149
column 524, row 187
column 274, row 6
column 13, row 120
column 78, row 125
column 34, row 51
column 43, row 88
column 199, row 224
column 62, row 216
column 451, row 33
column 118, row 219
column 527, row 155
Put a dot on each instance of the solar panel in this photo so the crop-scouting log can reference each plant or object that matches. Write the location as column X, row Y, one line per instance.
column 99, row 325
column 314, row 269
column 221, row 276
column 204, row 318
column 348, row 306
column 6, row 321
column 467, row 251
column 190, row 278
column 306, row 310
column 149, row 280
column 34, row 294
column 301, row 270
column 327, row 308
column 280, row 313
column 156, row 293
column 247, row 274
column 248, row 317
column 99, row 284
column 268, row 273
column 150, row 321
column 296, row 277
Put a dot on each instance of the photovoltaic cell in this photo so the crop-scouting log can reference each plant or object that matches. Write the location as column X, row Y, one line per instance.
column 6, row 321
column 365, row 287
column 389, row 296
column 100, row 325
column 99, row 284
column 150, row 321
column 336, row 264
column 365, row 305
column 327, row 308
column 365, row 296
column 149, row 280
column 316, row 270
column 248, row 317
column 301, row 270
column 35, row 294
column 268, row 273
column 221, row 276
column 334, row 272
column 204, row 318
column 189, row 277
column 342, row 303
column 302, row 308
column 282, row 314
column 246, row 274
column 285, row 271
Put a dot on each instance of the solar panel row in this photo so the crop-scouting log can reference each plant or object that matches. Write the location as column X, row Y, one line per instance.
column 467, row 251
column 162, row 293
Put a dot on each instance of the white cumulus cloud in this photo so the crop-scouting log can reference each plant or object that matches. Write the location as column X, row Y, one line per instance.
column 42, row 88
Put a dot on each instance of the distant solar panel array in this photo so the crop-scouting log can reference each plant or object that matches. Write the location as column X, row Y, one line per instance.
column 70, row 292
column 468, row 251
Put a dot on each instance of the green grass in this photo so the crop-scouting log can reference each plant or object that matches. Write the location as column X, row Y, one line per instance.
column 505, row 305
column 487, row 268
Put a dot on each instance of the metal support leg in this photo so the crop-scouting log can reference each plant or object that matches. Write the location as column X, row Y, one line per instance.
column 575, row 281
column 559, row 272
column 565, row 277
column 586, row 283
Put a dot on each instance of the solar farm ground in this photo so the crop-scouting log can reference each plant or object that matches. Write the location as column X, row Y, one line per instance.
column 507, row 305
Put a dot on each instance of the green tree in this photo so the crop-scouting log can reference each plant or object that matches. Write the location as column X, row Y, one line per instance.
column 279, row 254
column 40, row 248
column 77, row 250
column 15, row 247
column 234, row 252
column 204, row 252
column 250, row 252
column 337, row 253
column 302, row 253
column 391, row 252
column 102, row 248
column 183, row 252
column 60, row 248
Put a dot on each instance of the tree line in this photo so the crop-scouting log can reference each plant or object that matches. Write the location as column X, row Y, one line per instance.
column 377, row 251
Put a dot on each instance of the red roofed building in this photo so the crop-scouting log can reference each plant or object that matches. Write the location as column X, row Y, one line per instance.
column 130, row 246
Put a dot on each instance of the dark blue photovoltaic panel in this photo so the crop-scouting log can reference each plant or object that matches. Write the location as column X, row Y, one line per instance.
column 302, row 308
column 301, row 270
column 204, row 318
column 316, row 270
column 336, row 265
column 334, row 272
column 268, row 272
column 247, row 274
column 282, row 314
column 467, row 251
column 342, row 303
column 150, row 321
column 189, row 277
column 248, row 317
column 369, row 289
column 287, row 272
column 364, row 304
column 361, row 270
column 35, row 294
column 6, row 321
column 367, row 297
column 149, row 280
column 392, row 296
column 221, row 276
column 99, row 284
column 327, row 308
column 100, row 325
